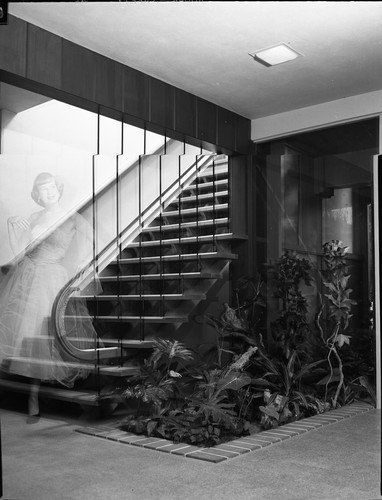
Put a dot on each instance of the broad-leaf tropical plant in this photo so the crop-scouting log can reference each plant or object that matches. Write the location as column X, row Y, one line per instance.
column 286, row 396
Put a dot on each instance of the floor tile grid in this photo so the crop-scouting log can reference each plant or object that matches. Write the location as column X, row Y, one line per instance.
column 232, row 448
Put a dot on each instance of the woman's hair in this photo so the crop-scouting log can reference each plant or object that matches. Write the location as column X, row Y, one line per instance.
column 41, row 179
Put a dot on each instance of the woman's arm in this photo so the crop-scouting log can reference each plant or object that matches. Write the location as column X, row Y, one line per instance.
column 84, row 240
column 19, row 233
column 82, row 248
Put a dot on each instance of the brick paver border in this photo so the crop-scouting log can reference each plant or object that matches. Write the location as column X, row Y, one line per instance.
column 232, row 448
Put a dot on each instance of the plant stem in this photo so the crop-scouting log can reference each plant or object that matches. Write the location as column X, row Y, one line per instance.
column 333, row 349
column 318, row 320
column 341, row 382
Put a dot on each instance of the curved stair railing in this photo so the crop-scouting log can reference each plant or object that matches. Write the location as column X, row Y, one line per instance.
column 104, row 257
column 90, row 354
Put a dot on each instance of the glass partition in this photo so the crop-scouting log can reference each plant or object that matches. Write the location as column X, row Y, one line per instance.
column 314, row 205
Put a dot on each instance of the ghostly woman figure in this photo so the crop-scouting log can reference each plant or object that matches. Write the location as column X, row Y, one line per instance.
column 50, row 248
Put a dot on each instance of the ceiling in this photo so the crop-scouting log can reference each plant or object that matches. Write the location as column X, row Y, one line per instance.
column 203, row 47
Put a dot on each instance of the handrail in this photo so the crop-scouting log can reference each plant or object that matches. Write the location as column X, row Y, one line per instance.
column 105, row 256
column 59, row 305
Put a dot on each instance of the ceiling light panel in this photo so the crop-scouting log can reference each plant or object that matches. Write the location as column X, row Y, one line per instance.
column 275, row 55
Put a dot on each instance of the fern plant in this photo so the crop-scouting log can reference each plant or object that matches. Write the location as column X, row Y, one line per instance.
column 158, row 383
column 188, row 403
column 212, row 409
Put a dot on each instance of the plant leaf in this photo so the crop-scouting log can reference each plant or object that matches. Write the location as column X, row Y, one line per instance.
column 333, row 377
column 270, row 411
column 234, row 381
column 151, row 426
column 342, row 339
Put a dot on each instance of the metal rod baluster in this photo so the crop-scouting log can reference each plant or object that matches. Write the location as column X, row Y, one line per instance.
column 94, row 216
column 197, row 213
column 214, row 195
column 161, row 271
column 140, row 247
column 180, row 253
column 118, row 239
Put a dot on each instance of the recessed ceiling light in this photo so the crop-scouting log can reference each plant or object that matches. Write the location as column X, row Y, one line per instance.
column 275, row 55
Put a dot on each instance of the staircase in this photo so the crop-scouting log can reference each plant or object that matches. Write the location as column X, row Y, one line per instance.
column 153, row 285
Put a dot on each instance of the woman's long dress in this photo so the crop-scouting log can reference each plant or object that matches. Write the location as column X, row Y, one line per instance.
column 27, row 293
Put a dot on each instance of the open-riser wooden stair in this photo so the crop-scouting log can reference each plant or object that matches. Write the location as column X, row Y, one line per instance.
column 153, row 285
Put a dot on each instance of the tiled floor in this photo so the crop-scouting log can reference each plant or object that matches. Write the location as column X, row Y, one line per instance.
column 50, row 460
column 233, row 448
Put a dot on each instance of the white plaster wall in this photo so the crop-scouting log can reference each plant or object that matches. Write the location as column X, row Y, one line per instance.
column 51, row 137
column 61, row 139
column 321, row 115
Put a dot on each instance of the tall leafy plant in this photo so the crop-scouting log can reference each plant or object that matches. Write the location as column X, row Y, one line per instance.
column 337, row 301
column 236, row 328
column 291, row 329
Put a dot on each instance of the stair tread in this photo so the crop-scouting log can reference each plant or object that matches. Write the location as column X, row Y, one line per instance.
column 208, row 184
column 132, row 319
column 102, row 352
column 192, row 210
column 183, row 225
column 130, row 344
column 135, row 277
column 114, row 370
column 163, row 296
column 187, row 239
column 214, row 170
column 178, row 257
column 204, row 196
column 70, row 395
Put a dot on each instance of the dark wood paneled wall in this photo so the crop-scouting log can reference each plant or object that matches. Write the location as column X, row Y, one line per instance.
column 46, row 63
